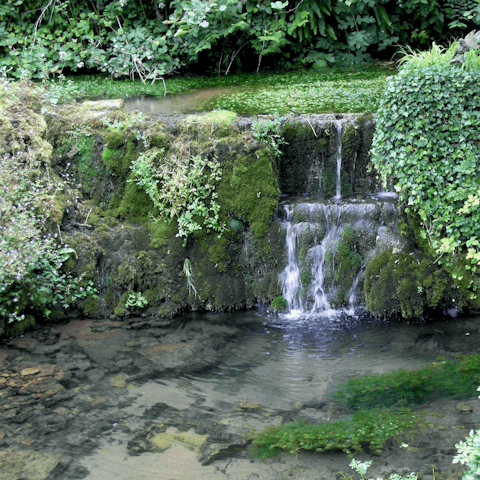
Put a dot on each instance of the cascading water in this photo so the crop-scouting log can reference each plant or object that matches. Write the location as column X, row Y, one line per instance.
column 328, row 245
column 338, row 159
column 329, row 242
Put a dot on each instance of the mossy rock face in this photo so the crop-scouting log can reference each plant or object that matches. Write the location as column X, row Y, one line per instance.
column 342, row 264
column 309, row 159
column 405, row 285
column 306, row 151
column 217, row 123
column 22, row 129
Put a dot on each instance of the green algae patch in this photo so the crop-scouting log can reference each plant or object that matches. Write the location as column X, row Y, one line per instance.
column 16, row 464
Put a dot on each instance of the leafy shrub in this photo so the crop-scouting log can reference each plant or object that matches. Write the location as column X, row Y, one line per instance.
column 426, row 139
column 367, row 427
column 407, row 387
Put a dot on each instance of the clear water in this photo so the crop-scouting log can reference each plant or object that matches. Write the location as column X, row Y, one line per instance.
column 289, row 359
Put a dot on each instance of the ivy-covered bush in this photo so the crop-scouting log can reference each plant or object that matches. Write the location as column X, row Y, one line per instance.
column 427, row 140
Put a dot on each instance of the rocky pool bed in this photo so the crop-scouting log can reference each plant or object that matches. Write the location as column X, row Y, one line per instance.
column 149, row 399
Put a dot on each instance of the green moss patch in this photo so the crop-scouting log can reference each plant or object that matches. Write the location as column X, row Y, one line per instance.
column 458, row 377
column 399, row 284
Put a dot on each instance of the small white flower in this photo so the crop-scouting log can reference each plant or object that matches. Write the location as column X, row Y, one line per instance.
column 223, row 8
column 204, row 24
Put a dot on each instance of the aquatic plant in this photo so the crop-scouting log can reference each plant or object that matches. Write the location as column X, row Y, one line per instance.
column 407, row 387
column 324, row 91
column 268, row 131
column 279, row 304
column 370, row 427
column 136, row 299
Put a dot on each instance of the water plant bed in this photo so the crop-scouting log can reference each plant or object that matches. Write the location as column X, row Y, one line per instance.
column 458, row 377
column 305, row 91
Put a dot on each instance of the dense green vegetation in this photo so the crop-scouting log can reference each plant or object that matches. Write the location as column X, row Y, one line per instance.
column 133, row 38
column 365, row 427
column 426, row 140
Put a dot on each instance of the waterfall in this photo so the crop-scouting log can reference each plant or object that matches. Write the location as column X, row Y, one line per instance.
column 328, row 245
column 339, row 128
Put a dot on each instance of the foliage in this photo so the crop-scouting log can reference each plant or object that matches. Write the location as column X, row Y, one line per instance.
column 61, row 90
column 362, row 467
column 136, row 299
column 371, row 427
column 269, row 131
column 426, row 139
column 132, row 38
column 468, row 453
column 31, row 260
column 181, row 188
column 407, row 387
column 279, row 304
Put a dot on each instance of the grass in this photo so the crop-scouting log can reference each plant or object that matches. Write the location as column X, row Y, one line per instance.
column 304, row 91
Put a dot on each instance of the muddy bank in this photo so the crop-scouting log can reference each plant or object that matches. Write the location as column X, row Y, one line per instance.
column 100, row 399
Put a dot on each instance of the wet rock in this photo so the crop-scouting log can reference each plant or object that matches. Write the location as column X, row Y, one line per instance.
column 26, row 464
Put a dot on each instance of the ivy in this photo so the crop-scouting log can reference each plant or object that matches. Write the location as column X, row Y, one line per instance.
column 427, row 140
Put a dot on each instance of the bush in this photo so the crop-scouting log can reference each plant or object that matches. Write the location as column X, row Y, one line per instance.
column 426, row 139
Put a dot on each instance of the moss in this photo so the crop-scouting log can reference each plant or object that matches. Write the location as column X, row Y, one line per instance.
column 159, row 140
column 86, row 166
column 90, row 305
column 251, row 190
column 114, row 139
column 135, row 203
column 18, row 327
column 218, row 123
column 304, row 151
column 328, row 186
column 161, row 232
column 217, row 252
column 397, row 284
column 343, row 266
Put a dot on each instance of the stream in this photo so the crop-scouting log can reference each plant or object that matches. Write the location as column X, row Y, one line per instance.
column 148, row 399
